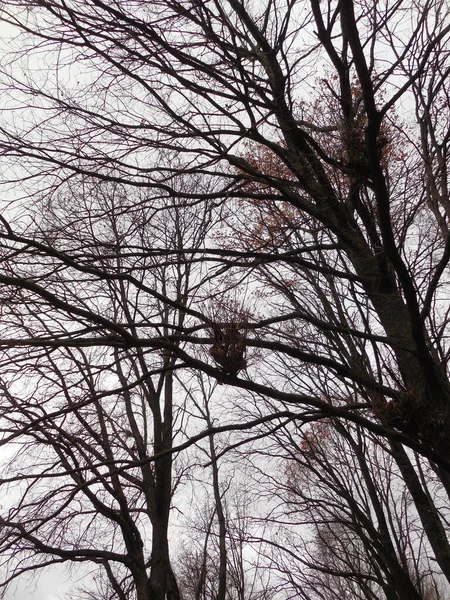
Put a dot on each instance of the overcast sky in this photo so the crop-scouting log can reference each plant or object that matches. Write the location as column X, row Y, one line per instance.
column 54, row 584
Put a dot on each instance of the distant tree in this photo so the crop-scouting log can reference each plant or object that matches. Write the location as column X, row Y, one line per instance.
column 199, row 560
column 362, row 535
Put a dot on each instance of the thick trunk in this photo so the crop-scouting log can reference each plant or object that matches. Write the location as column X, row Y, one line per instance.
column 159, row 575
column 422, row 408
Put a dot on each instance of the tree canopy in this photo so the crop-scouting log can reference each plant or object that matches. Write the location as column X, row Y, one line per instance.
column 224, row 259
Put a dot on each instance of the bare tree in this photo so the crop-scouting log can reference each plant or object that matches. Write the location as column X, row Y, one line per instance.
column 361, row 534
column 319, row 202
column 90, row 417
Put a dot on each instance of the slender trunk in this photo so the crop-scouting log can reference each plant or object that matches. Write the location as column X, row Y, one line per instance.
column 426, row 509
column 399, row 581
column 161, row 576
column 222, row 587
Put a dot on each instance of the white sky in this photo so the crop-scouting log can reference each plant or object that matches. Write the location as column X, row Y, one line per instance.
column 55, row 583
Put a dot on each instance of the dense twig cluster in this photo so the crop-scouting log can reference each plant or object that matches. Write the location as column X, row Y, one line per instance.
column 229, row 348
column 190, row 158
